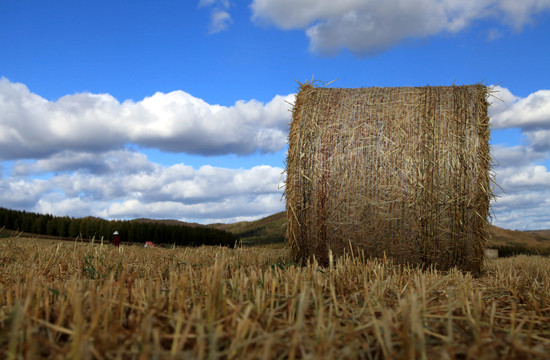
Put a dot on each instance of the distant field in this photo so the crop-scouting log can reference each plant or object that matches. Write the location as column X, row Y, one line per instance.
column 83, row 301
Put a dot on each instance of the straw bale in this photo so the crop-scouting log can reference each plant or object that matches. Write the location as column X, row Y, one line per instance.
column 491, row 253
column 399, row 172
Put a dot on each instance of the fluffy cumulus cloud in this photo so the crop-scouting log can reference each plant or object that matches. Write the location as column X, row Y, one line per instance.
column 527, row 113
column 80, row 155
column 517, row 169
column 522, row 197
column 33, row 127
column 128, row 185
column 530, row 114
column 368, row 27
column 22, row 193
column 521, row 171
column 523, row 211
column 114, row 161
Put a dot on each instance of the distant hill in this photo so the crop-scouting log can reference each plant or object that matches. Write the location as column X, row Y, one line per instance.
column 167, row 222
column 543, row 233
column 268, row 230
column 273, row 227
column 531, row 238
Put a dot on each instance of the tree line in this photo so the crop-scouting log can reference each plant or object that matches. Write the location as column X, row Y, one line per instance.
column 130, row 231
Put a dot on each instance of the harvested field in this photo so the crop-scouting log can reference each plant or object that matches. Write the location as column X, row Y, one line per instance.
column 83, row 301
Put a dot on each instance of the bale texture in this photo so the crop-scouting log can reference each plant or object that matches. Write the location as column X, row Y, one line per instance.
column 491, row 253
column 398, row 172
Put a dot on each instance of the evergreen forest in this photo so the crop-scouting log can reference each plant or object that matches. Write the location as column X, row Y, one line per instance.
column 130, row 231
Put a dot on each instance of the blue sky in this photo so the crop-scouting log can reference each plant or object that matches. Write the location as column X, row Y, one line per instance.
column 179, row 109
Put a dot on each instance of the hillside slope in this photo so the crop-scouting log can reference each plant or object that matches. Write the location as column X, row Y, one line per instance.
column 268, row 230
column 272, row 229
column 167, row 222
column 534, row 239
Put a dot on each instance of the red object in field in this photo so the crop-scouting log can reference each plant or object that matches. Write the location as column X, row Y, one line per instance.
column 149, row 244
column 116, row 239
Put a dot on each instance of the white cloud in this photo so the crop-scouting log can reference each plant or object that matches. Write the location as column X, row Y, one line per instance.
column 233, row 209
column 522, row 174
column 79, row 152
column 531, row 114
column 540, row 139
column 115, row 161
column 501, row 100
column 519, row 13
column 22, row 194
column 109, row 188
column 522, row 214
column 526, row 113
column 523, row 188
column 220, row 18
column 368, row 27
column 526, row 177
column 184, row 184
column 58, row 204
column 221, row 3
column 520, row 201
column 516, row 156
column 33, row 127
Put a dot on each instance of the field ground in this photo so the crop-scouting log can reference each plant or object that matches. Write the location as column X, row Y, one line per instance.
column 85, row 301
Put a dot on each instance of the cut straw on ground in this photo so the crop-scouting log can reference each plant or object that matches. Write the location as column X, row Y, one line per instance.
column 219, row 303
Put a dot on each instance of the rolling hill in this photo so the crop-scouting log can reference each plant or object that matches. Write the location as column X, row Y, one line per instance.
column 272, row 229
column 268, row 230
column 534, row 239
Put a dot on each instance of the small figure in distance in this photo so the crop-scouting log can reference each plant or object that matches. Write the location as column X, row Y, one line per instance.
column 116, row 239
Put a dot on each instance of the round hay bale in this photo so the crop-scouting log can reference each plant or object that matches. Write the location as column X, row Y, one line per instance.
column 398, row 172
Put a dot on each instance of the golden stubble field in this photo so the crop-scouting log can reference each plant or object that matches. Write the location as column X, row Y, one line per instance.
column 93, row 301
